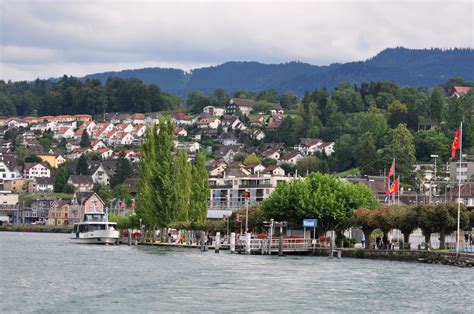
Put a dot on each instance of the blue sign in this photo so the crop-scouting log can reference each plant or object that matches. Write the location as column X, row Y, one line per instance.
column 310, row 223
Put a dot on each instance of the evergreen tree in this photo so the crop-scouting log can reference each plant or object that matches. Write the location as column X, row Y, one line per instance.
column 183, row 185
column 437, row 103
column 158, row 195
column 368, row 164
column 85, row 139
column 82, row 166
column 62, row 175
column 200, row 191
column 124, row 171
column 401, row 147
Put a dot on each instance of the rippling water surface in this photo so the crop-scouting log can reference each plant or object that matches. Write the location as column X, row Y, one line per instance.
column 46, row 273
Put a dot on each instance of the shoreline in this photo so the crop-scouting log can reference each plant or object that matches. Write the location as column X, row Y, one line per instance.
column 420, row 256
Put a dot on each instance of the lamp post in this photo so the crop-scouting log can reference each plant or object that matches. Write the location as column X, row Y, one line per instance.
column 434, row 177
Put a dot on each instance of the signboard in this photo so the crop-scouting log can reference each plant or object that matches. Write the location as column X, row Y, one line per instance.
column 310, row 223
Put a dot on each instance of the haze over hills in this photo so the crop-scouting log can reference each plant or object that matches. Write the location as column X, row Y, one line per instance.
column 409, row 67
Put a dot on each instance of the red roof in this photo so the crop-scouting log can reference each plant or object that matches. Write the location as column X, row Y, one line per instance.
column 462, row 90
column 181, row 116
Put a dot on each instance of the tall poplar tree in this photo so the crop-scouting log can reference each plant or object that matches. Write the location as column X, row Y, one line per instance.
column 200, row 190
column 82, row 166
column 183, row 185
column 145, row 198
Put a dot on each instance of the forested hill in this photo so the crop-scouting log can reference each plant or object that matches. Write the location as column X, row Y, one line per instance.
column 406, row 67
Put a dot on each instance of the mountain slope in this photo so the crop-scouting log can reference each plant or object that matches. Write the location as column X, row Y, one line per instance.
column 422, row 67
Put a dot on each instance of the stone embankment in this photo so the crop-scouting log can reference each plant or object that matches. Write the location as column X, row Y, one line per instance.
column 421, row 256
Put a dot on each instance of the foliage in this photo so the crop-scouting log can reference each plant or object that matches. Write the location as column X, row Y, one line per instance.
column 252, row 159
column 85, row 139
column 318, row 196
column 123, row 171
column 184, row 179
column 125, row 222
column 400, row 147
column 200, row 190
column 82, row 166
column 62, row 176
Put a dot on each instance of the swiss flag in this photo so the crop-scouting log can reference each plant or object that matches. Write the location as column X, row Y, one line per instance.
column 393, row 188
column 456, row 143
column 391, row 172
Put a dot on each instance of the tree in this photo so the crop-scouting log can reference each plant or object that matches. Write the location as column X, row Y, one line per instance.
column 105, row 193
column 197, row 101
column 200, row 191
column 406, row 220
column 308, row 164
column 120, row 192
column 62, row 176
column 124, row 170
column 82, row 166
column 364, row 219
column 33, row 159
column 318, row 196
column 398, row 113
column 437, row 101
column 183, row 185
column 375, row 123
column 252, row 159
column 400, row 147
column 344, row 158
column 85, row 140
column 368, row 160
column 431, row 142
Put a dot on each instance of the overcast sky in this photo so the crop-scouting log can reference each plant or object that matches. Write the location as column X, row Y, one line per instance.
column 49, row 38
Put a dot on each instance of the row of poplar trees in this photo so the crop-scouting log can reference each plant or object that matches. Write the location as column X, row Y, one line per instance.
column 171, row 189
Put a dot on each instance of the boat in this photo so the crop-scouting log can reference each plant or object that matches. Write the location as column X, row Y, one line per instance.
column 95, row 229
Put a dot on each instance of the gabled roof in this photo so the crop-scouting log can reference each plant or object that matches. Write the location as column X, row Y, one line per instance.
column 81, row 180
column 242, row 102
column 462, row 90
column 290, row 155
column 181, row 116
column 308, row 142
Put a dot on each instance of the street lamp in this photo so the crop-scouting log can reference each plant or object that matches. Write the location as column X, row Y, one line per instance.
column 434, row 177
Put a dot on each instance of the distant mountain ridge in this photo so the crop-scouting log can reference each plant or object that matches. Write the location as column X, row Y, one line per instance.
column 409, row 67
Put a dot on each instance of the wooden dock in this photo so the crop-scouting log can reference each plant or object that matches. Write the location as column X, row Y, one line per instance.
column 272, row 246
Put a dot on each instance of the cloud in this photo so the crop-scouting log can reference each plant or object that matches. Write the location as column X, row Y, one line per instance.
column 50, row 38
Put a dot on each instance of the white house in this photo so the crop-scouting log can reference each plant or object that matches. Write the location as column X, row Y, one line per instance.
column 292, row 158
column 37, row 170
column 122, row 138
column 16, row 123
column 39, row 184
column 273, row 154
column 100, row 176
column 8, row 172
column 95, row 145
column 105, row 152
column 139, row 130
column 210, row 123
column 64, row 132
column 214, row 111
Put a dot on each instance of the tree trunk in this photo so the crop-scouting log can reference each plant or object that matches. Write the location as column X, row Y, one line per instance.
column 427, row 241
column 367, row 239
column 442, row 240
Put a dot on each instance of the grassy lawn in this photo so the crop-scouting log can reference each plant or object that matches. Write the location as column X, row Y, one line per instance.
column 44, row 196
column 350, row 172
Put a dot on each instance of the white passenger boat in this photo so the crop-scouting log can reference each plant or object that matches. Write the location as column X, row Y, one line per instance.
column 95, row 229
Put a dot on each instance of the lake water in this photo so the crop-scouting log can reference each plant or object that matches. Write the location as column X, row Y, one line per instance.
column 46, row 273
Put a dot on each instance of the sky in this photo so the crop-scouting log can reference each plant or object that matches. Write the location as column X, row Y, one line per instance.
column 50, row 38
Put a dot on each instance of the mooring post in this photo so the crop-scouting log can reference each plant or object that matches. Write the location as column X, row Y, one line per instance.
column 218, row 242
column 331, row 247
column 247, row 243
column 232, row 242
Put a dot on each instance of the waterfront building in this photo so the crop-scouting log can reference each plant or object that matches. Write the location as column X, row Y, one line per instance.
column 463, row 171
column 9, row 206
column 227, row 193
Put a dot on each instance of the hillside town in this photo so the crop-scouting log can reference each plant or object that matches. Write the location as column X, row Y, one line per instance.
column 55, row 167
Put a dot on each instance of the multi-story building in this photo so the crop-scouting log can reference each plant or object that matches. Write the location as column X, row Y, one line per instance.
column 463, row 171
column 227, row 193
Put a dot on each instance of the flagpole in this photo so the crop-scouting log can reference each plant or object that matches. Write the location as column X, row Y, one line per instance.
column 459, row 192
column 394, row 177
column 398, row 202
